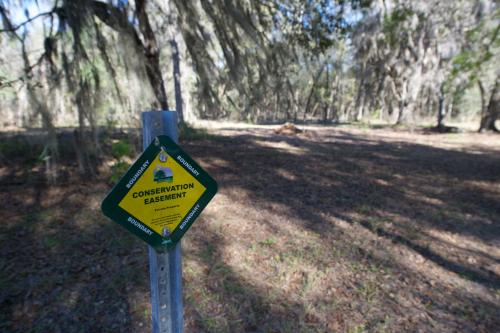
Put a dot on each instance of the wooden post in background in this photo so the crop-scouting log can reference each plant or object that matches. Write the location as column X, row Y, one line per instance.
column 165, row 268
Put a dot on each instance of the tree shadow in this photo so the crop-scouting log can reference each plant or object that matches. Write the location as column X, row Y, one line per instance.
column 61, row 274
column 242, row 306
column 64, row 268
column 342, row 174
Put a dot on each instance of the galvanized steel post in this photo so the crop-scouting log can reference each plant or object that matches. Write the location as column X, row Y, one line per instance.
column 165, row 267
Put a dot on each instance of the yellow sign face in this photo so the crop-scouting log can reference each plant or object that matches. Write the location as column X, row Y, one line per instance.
column 163, row 195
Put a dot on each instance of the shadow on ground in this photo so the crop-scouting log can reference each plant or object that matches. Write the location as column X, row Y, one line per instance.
column 414, row 196
column 65, row 269
column 393, row 235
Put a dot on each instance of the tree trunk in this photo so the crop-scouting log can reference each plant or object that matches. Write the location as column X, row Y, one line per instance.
column 406, row 107
column 277, row 107
column 483, row 97
column 338, row 103
column 376, row 98
column 177, row 80
column 117, row 20
column 51, row 151
column 492, row 112
column 83, row 146
column 311, row 92
column 442, row 109
column 360, row 99
column 152, row 54
column 292, row 105
column 403, row 113
column 325, row 113
column 412, row 81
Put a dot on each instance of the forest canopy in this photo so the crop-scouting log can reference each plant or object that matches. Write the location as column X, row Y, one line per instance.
column 92, row 63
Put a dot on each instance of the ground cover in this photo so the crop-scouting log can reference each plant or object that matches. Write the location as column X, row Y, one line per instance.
column 334, row 229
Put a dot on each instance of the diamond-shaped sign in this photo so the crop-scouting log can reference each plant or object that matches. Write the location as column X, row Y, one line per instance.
column 161, row 194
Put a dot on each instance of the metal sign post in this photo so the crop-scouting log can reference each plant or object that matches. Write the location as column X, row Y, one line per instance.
column 166, row 266
column 158, row 199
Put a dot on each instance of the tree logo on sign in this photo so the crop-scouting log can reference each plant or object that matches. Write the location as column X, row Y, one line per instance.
column 163, row 174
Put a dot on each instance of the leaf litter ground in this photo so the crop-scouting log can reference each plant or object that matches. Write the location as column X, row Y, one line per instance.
column 329, row 230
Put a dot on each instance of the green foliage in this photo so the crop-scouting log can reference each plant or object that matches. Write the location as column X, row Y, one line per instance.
column 188, row 132
column 51, row 241
column 268, row 242
column 253, row 61
column 16, row 148
column 393, row 23
column 118, row 170
column 478, row 54
column 121, row 149
column 463, row 62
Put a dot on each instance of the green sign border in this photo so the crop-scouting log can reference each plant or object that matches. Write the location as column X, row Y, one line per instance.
column 110, row 204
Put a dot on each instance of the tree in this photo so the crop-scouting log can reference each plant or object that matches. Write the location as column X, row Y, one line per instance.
column 261, row 60
column 478, row 62
column 492, row 112
column 405, row 55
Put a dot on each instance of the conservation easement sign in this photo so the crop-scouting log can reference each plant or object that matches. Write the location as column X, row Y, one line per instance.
column 161, row 194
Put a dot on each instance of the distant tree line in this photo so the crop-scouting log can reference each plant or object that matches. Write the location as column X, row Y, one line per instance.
column 89, row 63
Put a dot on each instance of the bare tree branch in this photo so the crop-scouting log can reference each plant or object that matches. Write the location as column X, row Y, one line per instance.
column 12, row 28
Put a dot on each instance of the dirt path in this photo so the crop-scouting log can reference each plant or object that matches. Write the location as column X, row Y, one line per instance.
column 333, row 230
